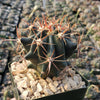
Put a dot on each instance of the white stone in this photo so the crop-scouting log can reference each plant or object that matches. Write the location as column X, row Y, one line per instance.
column 24, row 95
column 30, row 77
column 36, row 94
column 52, row 87
column 42, row 95
column 49, row 80
column 30, row 91
column 33, row 85
column 39, row 87
column 56, row 83
column 17, row 68
column 43, row 83
column 33, row 73
column 22, row 84
column 22, row 75
column 20, row 89
column 17, row 79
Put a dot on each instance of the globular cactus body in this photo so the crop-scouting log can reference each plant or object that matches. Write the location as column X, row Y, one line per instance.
column 48, row 49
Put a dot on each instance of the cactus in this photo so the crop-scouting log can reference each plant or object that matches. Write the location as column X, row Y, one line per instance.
column 48, row 46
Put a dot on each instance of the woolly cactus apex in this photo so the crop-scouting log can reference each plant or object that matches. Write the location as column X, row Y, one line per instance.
column 49, row 47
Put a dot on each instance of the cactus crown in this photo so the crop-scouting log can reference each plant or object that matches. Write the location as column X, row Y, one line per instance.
column 48, row 46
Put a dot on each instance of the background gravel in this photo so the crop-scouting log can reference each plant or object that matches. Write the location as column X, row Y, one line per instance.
column 12, row 14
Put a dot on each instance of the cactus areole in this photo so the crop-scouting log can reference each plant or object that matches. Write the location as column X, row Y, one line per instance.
column 48, row 46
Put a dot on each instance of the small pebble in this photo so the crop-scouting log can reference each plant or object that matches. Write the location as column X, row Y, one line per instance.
column 52, row 87
column 47, row 91
column 39, row 87
column 49, row 80
column 43, row 83
column 37, row 94
column 56, row 83
column 24, row 94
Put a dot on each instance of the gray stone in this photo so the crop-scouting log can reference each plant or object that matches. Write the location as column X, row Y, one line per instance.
column 3, row 65
column 65, row 80
column 72, row 83
column 47, row 91
column 96, row 63
column 7, row 79
column 62, row 88
column 67, row 87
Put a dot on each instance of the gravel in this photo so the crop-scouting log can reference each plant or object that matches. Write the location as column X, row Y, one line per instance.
column 26, row 80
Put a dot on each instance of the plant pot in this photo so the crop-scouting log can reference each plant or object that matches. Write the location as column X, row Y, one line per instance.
column 76, row 94
column 71, row 95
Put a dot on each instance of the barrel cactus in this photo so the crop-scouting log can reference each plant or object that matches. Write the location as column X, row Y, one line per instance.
column 48, row 46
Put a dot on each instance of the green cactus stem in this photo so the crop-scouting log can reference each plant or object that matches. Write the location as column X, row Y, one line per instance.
column 48, row 47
